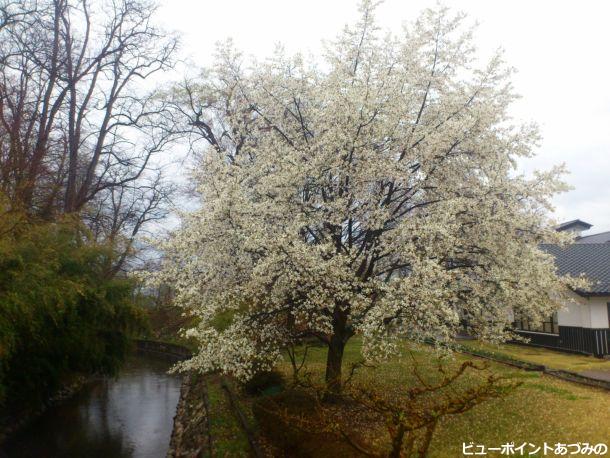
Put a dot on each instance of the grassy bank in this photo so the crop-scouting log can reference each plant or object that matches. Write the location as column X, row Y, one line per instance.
column 543, row 409
column 537, row 355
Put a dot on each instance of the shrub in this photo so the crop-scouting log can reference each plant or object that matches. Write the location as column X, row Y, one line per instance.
column 280, row 418
column 59, row 310
column 265, row 382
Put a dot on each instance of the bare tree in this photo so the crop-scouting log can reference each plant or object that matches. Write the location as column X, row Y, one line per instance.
column 12, row 12
column 76, row 132
column 120, row 214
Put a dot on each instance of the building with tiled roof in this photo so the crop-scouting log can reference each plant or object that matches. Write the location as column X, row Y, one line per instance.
column 582, row 325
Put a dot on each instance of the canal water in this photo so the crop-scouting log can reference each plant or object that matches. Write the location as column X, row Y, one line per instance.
column 130, row 415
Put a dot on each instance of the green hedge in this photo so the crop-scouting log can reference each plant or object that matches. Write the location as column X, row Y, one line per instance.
column 59, row 311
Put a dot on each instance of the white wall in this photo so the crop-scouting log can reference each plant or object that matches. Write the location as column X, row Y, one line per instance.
column 599, row 311
column 574, row 313
column 585, row 312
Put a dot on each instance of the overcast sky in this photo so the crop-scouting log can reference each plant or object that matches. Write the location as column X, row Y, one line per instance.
column 560, row 48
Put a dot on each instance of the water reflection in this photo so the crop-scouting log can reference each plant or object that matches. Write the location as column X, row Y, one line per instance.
column 127, row 416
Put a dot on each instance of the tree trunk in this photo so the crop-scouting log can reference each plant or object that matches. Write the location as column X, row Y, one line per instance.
column 423, row 449
column 334, row 358
column 397, row 441
column 334, row 361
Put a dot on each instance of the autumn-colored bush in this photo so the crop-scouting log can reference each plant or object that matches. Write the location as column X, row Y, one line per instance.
column 291, row 420
column 365, row 420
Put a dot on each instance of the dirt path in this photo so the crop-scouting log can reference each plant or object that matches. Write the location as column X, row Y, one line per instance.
column 597, row 375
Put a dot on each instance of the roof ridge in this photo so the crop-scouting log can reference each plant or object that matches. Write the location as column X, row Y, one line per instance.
column 591, row 235
column 572, row 222
column 568, row 245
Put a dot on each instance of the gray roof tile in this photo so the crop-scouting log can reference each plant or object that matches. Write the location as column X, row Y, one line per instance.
column 590, row 259
column 602, row 237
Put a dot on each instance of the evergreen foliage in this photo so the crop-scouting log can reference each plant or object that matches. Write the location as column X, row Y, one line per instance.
column 60, row 311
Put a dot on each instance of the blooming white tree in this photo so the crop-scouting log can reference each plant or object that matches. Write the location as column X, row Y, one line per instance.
column 369, row 193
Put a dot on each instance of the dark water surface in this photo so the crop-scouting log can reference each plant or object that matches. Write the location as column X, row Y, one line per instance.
column 130, row 415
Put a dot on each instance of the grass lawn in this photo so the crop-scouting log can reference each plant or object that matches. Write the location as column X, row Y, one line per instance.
column 543, row 409
column 537, row 355
column 228, row 439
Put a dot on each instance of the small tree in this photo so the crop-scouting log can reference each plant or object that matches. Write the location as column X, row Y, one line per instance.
column 372, row 193
column 410, row 414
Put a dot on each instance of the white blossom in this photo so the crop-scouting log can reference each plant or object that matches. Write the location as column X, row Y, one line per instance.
column 373, row 192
